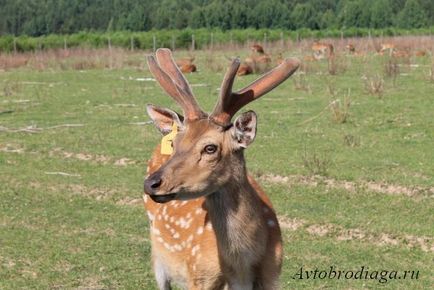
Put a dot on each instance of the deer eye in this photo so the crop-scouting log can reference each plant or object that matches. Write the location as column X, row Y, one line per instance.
column 210, row 149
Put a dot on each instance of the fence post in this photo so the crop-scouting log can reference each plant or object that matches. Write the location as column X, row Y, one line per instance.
column 265, row 40
column 173, row 42
column 109, row 43
column 212, row 41
column 154, row 43
column 132, row 43
column 193, row 43
column 15, row 45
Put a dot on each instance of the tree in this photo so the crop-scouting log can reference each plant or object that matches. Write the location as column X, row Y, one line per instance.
column 355, row 14
column 327, row 20
column 382, row 14
column 412, row 16
column 303, row 15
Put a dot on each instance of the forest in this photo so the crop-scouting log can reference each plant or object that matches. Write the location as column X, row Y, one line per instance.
column 42, row 17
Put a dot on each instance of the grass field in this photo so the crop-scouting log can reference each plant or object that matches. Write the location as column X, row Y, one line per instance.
column 352, row 188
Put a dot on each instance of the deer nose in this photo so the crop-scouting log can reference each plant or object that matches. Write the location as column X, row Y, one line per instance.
column 152, row 183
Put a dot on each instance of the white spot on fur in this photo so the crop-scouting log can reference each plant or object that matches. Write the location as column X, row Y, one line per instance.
column 183, row 202
column 195, row 249
column 151, row 216
column 189, row 240
column 209, row 227
column 172, row 219
column 156, row 231
column 176, row 235
column 200, row 230
column 159, row 217
column 198, row 211
column 160, row 239
column 167, row 246
column 185, row 224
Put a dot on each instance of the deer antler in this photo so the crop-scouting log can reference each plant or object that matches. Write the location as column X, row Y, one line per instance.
column 230, row 102
column 171, row 79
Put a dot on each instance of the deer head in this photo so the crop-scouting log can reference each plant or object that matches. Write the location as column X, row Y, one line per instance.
column 208, row 149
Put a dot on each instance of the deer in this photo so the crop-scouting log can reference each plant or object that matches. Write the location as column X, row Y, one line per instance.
column 211, row 224
column 387, row 48
column 322, row 50
column 257, row 62
column 186, row 65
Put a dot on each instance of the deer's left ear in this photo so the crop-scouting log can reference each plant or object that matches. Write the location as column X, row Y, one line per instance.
column 244, row 129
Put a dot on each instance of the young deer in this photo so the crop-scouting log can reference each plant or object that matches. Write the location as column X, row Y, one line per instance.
column 212, row 226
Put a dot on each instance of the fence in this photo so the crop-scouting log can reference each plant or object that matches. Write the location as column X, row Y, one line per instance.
column 187, row 39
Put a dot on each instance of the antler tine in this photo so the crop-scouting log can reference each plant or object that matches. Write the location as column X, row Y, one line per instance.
column 174, row 84
column 165, row 59
column 231, row 102
column 226, row 89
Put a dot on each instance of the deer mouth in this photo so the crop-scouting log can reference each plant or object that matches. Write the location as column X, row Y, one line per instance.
column 163, row 198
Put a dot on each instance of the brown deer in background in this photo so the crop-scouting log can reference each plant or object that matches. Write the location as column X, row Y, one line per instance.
column 212, row 226
column 186, row 65
column 322, row 50
column 257, row 62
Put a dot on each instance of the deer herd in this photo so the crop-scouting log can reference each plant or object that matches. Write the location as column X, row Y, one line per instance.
column 258, row 61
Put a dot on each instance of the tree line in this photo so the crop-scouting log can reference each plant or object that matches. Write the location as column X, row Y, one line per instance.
column 42, row 17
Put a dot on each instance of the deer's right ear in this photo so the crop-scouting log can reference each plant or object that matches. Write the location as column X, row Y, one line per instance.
column 164, row 118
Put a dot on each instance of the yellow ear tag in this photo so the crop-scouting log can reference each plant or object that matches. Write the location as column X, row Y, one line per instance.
column 166, row 142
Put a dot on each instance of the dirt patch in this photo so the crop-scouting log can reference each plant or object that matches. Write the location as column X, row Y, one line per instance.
column 93, row 282
column 130, row 201
column 97, row 158
column 378, row 187
column 319, row 230
column 124, row 162
column 341, row 234
column 10, row 148
column 290, row 224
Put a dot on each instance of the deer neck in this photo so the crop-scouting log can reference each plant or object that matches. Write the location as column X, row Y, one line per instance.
column 235, row 213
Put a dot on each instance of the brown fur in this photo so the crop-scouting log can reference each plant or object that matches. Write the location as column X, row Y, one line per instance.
column 322, row 50
column 213, row 267
column 186, row 65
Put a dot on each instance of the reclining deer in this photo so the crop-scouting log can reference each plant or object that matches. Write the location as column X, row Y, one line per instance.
column 212, row 226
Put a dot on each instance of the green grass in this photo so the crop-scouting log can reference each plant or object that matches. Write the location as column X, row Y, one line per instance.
column 90, row 230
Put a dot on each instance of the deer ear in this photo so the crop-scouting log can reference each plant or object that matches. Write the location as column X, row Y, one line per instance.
column 164, row 118
column 244, row 130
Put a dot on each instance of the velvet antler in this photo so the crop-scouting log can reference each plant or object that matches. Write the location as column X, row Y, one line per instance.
column 171, row 79
column 230, row 102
